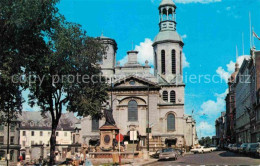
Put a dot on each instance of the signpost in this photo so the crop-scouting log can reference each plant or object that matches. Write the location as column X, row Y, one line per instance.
column 119, row 138
column 133, row 137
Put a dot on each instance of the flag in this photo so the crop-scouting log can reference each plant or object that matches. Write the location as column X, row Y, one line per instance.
column 255, row 35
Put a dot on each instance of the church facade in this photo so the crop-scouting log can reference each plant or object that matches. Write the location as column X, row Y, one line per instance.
column 151, row 104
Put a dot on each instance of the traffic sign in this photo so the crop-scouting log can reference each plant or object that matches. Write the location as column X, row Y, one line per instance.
column 119, row 136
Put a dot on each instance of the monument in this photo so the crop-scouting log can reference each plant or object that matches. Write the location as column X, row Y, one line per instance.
column 108, row 131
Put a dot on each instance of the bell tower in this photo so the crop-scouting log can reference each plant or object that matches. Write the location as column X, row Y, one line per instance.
column 168, row 45
column 107, row 62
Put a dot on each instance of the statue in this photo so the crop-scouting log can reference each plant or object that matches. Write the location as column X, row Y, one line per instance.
column 109, row 116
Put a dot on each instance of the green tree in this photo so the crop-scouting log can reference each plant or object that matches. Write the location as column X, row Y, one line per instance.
column 36, row 41
column 21, row 26
column 69, row 76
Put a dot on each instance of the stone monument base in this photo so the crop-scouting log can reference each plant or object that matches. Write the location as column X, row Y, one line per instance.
column 107, row 135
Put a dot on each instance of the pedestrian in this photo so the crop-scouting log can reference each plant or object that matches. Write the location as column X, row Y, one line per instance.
column 81, row 158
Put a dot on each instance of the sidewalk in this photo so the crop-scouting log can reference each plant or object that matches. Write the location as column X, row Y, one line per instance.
column 125, row 162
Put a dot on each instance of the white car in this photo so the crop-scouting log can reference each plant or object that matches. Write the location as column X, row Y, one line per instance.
column 213, row 148
column 201, row 149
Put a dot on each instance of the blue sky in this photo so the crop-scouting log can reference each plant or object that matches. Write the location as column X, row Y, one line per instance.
column 211, row 29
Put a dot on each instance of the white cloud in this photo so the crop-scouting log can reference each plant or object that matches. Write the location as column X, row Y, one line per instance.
column 196, row 1
column 205, row 129
column 185, row 63
column 184, row 36
column 123, row 61
column 225, row 74
column 212, row 108
column 228, row 8
column 145, row 51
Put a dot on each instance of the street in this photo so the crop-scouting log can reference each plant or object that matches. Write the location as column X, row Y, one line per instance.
column 214, row 158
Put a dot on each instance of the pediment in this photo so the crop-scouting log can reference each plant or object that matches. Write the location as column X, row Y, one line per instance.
column 134, row 81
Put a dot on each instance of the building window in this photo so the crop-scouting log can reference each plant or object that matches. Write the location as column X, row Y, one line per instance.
column 1, row 140
column 40, row 142
column 173, row 62
column 170, row 122
column 12, row 155
column 57, row 133
column 24, row 133
column 165, row 96
column 32, row 133
column 1, row 127
column 23, row 143
column 12, row 140
column 181, row 62
column 41, row 133
column 163, row 61
column 2, row 154
column 65, row 134
column 32, row 142
column 95, row 124
column 155, row 60
column 12, row 128
column 132, row 111
column 172, row 97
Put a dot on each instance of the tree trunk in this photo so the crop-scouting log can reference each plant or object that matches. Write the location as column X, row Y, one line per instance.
column 53, row 143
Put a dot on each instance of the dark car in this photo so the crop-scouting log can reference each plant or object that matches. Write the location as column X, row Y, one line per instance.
column 242, row 148
column 156, row 154
column 168, row 153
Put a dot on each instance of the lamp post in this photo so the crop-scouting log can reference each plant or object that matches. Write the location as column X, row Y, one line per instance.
column 8, row 126
column 148, row 120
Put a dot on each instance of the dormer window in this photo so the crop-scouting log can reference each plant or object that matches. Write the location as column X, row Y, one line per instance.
column 31, row 123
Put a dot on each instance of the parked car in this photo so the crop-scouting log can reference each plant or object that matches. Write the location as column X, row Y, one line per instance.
column 242, row 148
column 201, row 149
column 229, row 147
column 156, row 154
column 236, row 147
column 258, row 152
column 253, row 148
column 168, row 153
column 213, row 147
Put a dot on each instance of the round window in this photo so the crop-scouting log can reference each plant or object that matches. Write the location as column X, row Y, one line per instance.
column 132, row 82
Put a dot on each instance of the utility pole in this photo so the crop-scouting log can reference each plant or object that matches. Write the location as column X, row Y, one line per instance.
column 148, row 120
column 8, row 126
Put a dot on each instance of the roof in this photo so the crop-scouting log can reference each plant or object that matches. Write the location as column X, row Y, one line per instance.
column 171, row 36
column 35, row 120
column 167, row 2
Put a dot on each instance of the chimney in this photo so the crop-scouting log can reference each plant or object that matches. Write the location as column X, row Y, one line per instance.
column 132, row 57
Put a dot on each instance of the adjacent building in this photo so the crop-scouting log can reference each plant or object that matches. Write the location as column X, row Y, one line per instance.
column 35, row 132
column 14, row 145
column 242, row 103
column 220, row 123
column 147, row 102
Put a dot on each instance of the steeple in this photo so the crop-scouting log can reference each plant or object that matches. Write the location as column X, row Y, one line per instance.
column 167, row 16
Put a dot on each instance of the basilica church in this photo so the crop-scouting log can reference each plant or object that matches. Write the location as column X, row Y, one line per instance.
column 151, row 104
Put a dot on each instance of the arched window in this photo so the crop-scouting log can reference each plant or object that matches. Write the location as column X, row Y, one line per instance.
column 170, row 122
column 173, row 97
column 165, row 96
column 95, row 124
column 155, row 61
column 163, row 61
column 181, row 62
column 132, row 111
column 2, row 154
column 173, row 62
column 164, row 14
